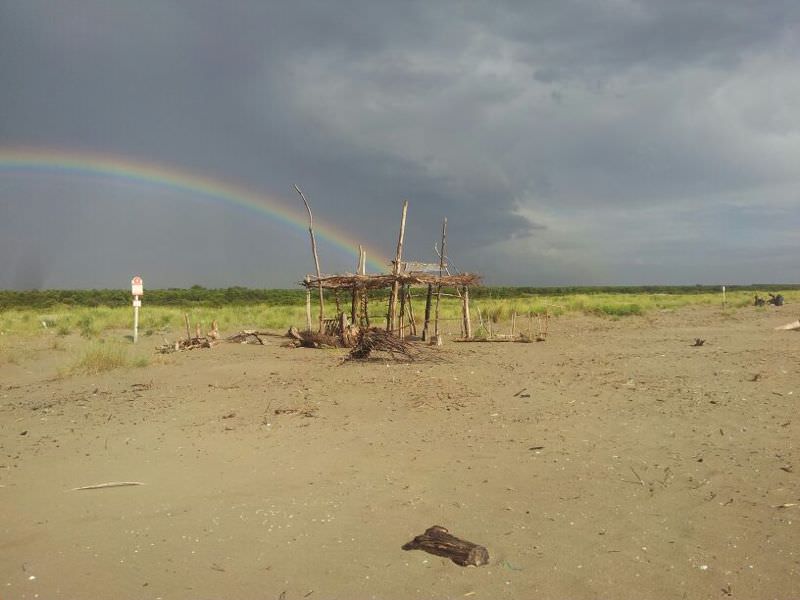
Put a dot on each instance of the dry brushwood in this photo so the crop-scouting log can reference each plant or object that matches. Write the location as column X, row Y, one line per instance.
column 312, row 339
column 247, row 336
column 190, row 344
column 379, row 340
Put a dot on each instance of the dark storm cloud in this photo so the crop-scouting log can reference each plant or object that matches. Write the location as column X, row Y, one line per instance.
column 590, row 137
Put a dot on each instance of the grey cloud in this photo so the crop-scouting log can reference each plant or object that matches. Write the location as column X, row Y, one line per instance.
column 517, row 120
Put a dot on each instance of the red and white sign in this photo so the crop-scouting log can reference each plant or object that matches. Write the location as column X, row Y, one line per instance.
column 137, row 286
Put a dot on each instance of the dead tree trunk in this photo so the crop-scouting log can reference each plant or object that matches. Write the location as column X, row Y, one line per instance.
column 426, row 325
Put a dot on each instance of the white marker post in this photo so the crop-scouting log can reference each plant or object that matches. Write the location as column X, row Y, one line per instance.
column 724, row 303
column 137, row 290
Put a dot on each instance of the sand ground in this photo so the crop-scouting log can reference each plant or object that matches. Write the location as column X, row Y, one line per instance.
column 613, row 460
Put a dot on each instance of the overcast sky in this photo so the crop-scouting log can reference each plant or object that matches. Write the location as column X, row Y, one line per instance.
column 568, row 142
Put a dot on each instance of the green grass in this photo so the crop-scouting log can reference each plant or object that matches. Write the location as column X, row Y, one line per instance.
column 168, row 321
column 99, row 358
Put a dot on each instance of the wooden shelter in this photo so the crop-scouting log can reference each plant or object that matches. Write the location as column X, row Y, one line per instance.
column 403, row 277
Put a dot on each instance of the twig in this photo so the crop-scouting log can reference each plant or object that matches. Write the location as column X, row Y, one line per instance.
column 639, row 478
column 109, row 484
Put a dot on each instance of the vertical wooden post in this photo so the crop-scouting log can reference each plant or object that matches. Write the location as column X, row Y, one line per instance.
column 439, row 285
column 355, row 307
column 338, row 302
column 426, row 325
column 308, row 303
column 392, row 314
column 316, row 257
column 411, row 320
column 188, row 331
column 401, row 317
column 362, row 261
column 467, row 321
column 513, row 323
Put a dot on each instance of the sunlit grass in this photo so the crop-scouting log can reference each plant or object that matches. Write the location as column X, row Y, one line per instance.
column 167, row 321
column 101, row 357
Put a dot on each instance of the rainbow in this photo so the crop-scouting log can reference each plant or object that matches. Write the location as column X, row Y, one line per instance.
column 87, row 164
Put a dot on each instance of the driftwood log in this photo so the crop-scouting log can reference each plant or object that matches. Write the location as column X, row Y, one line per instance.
column 437, row 540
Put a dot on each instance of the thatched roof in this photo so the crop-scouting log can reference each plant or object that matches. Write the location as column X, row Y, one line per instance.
column 385, row 280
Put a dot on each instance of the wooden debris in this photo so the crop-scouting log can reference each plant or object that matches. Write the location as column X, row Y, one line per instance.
column 312, row 339
column 109, row 484
column 247, row 336
column 437, row 540
column 190, row 343
column 698, row 342
column 379, row 340
column 180, row 345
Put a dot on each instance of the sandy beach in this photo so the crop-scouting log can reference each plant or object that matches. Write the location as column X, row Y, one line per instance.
column 614, row 460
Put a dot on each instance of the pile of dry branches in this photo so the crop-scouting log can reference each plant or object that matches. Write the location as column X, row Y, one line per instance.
column 188, row 344
column 312, row 339
column 378, row 340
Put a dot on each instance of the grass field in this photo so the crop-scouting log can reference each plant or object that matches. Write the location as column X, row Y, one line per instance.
column 92, row 322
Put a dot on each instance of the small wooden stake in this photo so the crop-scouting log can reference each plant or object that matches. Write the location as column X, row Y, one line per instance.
column 188, row 329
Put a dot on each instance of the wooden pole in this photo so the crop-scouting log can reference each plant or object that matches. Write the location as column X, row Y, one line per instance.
column 411, row 320
column 426, row 325
column 439, row 285
column 308, row 303
column 316, row 258
column 338, row 302
column 362, row 261
column 356, row 300
column 401, row 317
column 513, row 323
column 188, row 331
column 467, row 322
column 392, row 315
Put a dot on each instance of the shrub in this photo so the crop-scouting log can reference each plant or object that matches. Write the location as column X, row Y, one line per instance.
column 99, row 358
